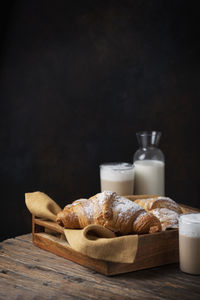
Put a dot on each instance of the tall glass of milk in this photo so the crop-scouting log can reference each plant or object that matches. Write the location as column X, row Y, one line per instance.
column 149, row 163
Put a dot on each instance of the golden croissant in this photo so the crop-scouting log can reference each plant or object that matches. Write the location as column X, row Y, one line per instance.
column 110, row 210
column 159, row 202
column 164, row 208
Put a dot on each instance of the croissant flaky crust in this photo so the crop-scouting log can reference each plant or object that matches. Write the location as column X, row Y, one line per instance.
column 159, row 202
column 164, row 208
column 110, row 210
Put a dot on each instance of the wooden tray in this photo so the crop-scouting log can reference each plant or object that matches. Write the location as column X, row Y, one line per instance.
column 153, row 249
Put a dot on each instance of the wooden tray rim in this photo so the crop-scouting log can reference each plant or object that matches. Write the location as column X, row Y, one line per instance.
column 101, row 266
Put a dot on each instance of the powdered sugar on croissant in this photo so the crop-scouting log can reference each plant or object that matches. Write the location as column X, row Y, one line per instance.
column 110, row 210
column 159, row 202
column 168, row 218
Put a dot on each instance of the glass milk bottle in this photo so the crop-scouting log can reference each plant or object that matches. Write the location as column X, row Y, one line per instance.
column 149, row 165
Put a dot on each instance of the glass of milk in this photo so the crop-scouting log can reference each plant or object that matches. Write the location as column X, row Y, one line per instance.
column 117, row 177
column 149, row 163
column 189, row 243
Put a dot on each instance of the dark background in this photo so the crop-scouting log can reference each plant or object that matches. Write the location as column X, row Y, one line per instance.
column 78, row 80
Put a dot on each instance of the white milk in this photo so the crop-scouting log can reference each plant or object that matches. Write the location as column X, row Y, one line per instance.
column 149, row 177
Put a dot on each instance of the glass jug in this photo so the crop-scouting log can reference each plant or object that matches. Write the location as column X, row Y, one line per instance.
column 149, row 163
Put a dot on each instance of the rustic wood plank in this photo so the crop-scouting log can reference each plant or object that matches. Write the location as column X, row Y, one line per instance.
column 27, row 272
column 63, row 273
column 32, row 276
column 35, row 256
column 32, row 254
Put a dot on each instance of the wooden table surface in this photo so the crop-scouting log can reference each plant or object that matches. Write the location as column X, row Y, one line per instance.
column 27, row 272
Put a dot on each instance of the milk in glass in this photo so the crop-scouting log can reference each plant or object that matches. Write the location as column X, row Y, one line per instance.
column 117, row 177
column 189, row 243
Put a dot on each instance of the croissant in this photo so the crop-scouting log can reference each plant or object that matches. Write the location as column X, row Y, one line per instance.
column 164, row 208
column 159, row 202
column 110, row 210
column 168, row 218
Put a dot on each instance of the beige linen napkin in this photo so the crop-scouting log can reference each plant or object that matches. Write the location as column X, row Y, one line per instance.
column 42, row 206
column 101, row 243
column 94, row 241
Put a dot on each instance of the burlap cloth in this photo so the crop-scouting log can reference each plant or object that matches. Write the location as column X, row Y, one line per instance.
column 94, row 240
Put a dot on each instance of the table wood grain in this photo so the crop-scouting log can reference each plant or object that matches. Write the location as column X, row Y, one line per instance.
column 28, row 272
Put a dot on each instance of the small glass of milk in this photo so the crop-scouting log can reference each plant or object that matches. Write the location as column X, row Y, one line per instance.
column 189, row 243
column 117, row 177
